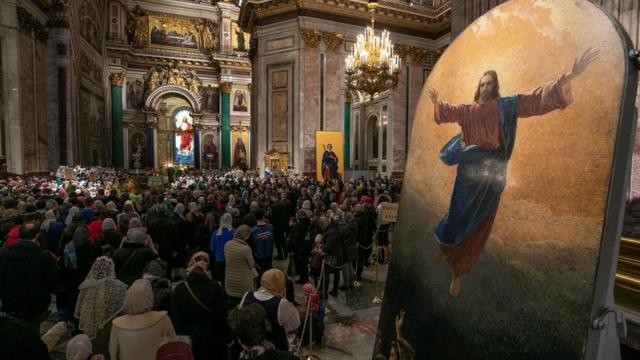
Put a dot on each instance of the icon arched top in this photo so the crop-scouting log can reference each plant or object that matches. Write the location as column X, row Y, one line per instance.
column 153, row 101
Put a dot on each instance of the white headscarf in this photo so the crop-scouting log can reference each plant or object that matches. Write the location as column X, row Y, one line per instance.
column 49, row 217
column 225, row 223
column 79, row 348
column 101, row 297
column 139, row 298
column 74, row 210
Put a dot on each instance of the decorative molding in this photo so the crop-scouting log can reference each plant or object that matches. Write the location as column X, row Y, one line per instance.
column 133, row 125
column 29, row 24
column 332, row 40
column 419, row 56
column 116, row 79
column 311, row 37
column 152, row 102
column 226, row 87
column 422, row 17
column 348, row 97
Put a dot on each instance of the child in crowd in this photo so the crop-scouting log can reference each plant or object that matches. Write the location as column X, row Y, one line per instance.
column 317, row 256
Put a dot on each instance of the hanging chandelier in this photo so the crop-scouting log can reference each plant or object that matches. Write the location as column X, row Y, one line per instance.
column 372, row 67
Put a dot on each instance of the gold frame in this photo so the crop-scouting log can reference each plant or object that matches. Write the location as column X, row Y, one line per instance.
column 181, row 21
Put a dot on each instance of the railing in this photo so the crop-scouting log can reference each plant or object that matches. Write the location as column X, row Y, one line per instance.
column 627, row 287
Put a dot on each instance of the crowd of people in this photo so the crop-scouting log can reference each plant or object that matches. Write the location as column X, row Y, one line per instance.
column 141, row 272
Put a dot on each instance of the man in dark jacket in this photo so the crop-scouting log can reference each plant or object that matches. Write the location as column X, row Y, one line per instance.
column 280, row 212
column 28, row 276
column 366, row 221
column 334, row 260
column 163, row 231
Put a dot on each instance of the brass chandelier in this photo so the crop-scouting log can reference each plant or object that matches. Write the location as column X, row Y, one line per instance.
column 372, row 67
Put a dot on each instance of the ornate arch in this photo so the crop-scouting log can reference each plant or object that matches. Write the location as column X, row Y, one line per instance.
column 158, row 94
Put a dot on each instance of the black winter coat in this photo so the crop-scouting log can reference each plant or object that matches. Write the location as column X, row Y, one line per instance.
column 130, row 271
column 207, row 328
column 164, row 232
column 28, row 276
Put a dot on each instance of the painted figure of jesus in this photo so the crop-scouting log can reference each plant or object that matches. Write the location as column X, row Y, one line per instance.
column 481, row 153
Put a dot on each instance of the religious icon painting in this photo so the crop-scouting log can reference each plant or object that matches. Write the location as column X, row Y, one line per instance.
column 183, row 139
column 240, row 147
column 240, row 101
column 511, row 207
column 329, row 155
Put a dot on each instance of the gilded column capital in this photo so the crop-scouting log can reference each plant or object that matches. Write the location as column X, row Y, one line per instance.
column 311, row 37
column 348, row 97
column 116, row 79
column 332, row 40
column 226, row 87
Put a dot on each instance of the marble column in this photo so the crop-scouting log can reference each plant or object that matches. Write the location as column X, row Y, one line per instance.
column 117, row 147
column 225, row 135
column 196, row 148
column 151, row 144
column 152, row 136
column 347, row 131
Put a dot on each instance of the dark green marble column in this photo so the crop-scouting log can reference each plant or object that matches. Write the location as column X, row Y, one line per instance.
column 225, row 115
column 117, row 141
column 347, row 131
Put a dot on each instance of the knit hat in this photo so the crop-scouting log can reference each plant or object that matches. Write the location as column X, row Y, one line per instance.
column 174, row 350
column 79, row 348
column 108, row 224
column 136, row 235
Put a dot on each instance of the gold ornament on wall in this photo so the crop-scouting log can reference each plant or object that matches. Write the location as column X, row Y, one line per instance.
column 226, row 87
column 311, row 37
column 332, row 40
column 137, row 27
column 116, row 79
column 208, row 34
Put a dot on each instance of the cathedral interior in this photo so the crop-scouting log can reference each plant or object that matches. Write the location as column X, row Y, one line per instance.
column 206, row 85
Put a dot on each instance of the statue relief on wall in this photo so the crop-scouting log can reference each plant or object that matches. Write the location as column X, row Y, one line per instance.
column 137, row 27
column 208, row 32
column 173, row 75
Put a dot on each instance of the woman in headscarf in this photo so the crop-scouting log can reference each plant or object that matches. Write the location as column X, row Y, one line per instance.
column 53, row 230
column 72, row 212
column 196, row 220
column 112, row 211
column 183, row 226
column 240, row 266
column 134, row 254
column 101, row 298
column 249, row 327
column 80, row 348
column 138, row 335
column 109, row 240
column 219, row 239
column 282, row 315
column 198, row 310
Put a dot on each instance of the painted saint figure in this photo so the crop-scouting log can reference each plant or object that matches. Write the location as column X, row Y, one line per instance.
column 329, row 164
column 240, row 154
column 481, row 153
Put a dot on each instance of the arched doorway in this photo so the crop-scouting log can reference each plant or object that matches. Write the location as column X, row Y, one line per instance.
column 173, row 117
